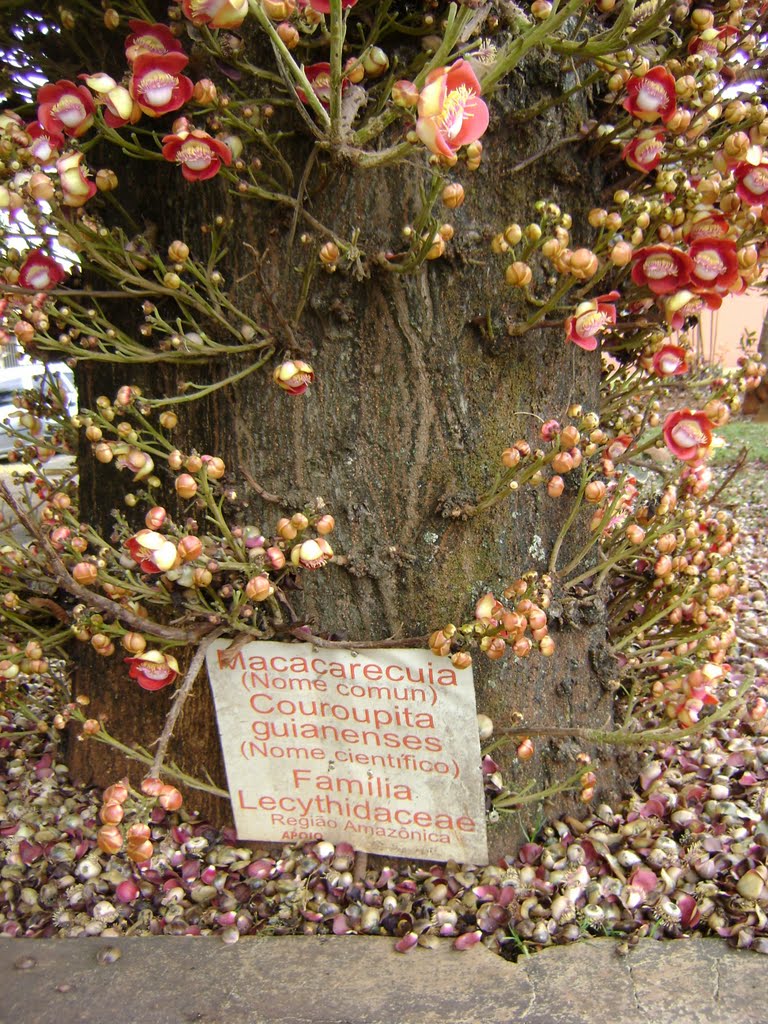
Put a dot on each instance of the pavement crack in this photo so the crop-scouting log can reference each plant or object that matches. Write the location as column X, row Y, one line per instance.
column 532, row 998
column 633, row 985
column 716, row 994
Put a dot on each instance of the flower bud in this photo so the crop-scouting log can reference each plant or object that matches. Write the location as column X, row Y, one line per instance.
column 134, row 643
column 406, row 94
column 525, row 749
column 189, row 548
column 178, row 251
column 375, row 62
column 278, row 10
column 204, row 92
column 259, row 588
column 85, row 573
column 185, row 485
column 594, row 492
column 275, row 557
column 109, row 839
column 555, row 486
column 155, row 517
column 453, row 195
column 518, row 274
column 329, row 255
column 461, row 660
column 117, row 791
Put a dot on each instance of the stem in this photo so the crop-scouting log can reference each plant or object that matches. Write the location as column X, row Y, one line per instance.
column 180, row 699
column 296, row 72
column 172, row 772
column 62, row 576
column 585, row 478
column 338, row 31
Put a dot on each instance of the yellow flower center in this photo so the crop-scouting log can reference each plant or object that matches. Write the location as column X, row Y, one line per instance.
column 452, row 114
column 709, row 265
column 660, row 266
column 157, row 88
column 196, row 155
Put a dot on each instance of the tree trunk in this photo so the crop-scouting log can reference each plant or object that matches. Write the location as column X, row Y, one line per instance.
column 419, row 387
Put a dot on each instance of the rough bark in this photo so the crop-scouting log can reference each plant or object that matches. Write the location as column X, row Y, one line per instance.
column 419, row 388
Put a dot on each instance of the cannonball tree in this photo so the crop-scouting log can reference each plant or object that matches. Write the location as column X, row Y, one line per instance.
column 375, row 311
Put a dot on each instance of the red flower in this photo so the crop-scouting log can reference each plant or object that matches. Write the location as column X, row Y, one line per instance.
column 216, row 13
column 618, row 446
column 584, row 327
column 661, row 268
column 294, row 376
column 669, row 361
column 706, row 225
column 45, row 144
column 65, row 108
column 40, row 271
column 706, row 42
column 153, row 670
column 644, row 152
column 684, row 304
column 74, row 182
column 157, row 85
column 687, row 434
column 451, row 113
column 147, row 38
column 715, row 263
column 652, row 96
column 200, row 155
column 752, row 182
column 319, row 77
column 152, row 551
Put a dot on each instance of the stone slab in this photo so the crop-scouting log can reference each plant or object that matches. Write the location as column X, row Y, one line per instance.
column 361, row 980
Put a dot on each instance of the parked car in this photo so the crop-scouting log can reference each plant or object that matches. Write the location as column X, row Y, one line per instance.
column 29, row 374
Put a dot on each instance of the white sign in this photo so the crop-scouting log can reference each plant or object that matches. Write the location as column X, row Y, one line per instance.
column 377, row 748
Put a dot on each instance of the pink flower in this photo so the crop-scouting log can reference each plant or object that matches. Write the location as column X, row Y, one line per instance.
column 46, row 142
column 119, row 106
column 684, row 304
column 153, row 670
column 644, row 152
column 199, row 155
column 706, row 224
column 619, row 445
column 752, row 182
column 319, row 77
column 216, row 13
column 294, row 376
column 65, row 108
column 687, row 434
column 670, row 361
column 312, row 554
column 40, row 271
column 584, row 327
column 157, row 84
column 715, row 263
column 75, row 185
column 661, row 268
column 147, row 38
column 451, row 113
column 152, row 551
column 652, row 96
